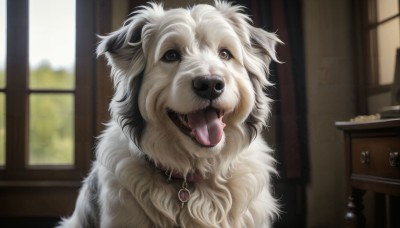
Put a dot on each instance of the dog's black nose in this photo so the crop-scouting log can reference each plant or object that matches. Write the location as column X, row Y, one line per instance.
column 209, row 87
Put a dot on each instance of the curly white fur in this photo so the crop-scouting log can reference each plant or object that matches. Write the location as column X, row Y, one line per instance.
column 123, row 189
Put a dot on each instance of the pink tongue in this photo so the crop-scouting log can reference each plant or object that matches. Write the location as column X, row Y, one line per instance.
column 207, row 128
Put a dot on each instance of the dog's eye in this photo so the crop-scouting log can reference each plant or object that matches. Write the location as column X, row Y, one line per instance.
column 171, row 56
column 224, row 54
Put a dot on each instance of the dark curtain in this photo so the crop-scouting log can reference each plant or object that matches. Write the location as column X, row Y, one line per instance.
column 289, row 109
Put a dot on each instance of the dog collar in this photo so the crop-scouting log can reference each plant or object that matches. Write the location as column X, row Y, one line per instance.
column 172, row 174
column 183, row 193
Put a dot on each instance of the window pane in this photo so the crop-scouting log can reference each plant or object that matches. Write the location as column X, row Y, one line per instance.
column 387, row 8
column 51, row 129
column 2, row 130
column 2, row 42
column 51, row 44
column 388, row 42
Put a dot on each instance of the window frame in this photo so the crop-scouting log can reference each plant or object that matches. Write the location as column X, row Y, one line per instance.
column 50, row 191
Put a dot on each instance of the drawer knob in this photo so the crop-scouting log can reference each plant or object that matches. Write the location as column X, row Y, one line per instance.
column 364, row 157
column 394, row 159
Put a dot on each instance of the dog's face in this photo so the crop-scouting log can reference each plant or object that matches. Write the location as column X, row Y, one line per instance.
column 192, row 78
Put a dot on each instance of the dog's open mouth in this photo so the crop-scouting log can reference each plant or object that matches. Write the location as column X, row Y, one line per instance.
column 205, row 126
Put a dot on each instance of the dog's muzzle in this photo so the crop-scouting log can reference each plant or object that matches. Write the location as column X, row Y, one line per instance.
column 204, row 125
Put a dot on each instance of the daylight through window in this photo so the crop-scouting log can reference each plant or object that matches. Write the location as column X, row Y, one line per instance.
column 51, row 82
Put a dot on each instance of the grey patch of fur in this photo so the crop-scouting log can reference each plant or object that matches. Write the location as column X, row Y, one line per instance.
column 92, row 220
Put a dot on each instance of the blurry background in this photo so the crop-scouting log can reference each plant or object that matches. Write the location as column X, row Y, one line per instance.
column 339, row 61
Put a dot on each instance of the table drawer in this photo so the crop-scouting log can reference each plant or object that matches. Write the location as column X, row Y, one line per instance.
column 376, row 156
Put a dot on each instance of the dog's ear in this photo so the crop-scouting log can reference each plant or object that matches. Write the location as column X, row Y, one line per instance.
column 125, row 52
column 263, row 51
column 119, row 39
column 264, row 43
column 124, row 47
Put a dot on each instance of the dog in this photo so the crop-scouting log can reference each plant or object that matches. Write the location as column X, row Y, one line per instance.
column 183, row 146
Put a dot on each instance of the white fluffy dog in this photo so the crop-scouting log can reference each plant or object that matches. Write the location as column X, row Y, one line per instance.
column 183, row 147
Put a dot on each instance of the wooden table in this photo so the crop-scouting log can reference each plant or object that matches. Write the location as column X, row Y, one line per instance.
column 372, row 152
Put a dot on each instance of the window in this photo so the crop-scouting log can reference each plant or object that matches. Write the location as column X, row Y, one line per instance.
column 51, row 82
column 384, row 25
column 377, row 38
column 47, row 88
